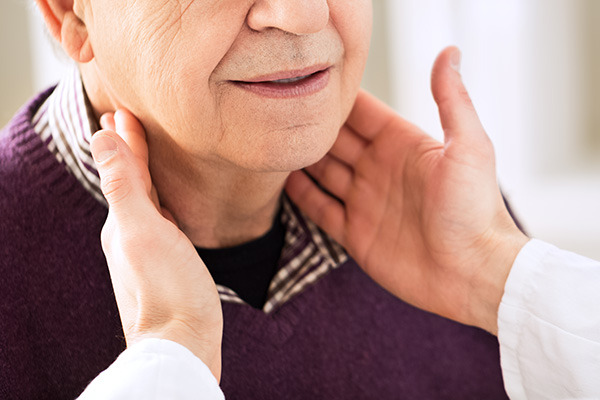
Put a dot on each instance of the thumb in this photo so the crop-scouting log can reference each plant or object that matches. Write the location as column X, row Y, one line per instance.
column 457, row 113
column 125, row 181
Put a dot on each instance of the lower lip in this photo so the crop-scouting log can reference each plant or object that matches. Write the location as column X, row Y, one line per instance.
column 305, row 87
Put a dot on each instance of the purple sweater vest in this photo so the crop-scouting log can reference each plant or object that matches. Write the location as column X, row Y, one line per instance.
column 342, row 338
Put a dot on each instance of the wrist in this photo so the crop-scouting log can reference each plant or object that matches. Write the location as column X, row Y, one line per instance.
column 206, row 346
column 487, row 285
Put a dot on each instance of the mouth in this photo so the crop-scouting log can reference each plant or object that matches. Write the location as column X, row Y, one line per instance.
column 289, row 84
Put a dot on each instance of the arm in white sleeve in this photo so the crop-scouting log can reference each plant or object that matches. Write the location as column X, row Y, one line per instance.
column 155, row 369
column 549, row 325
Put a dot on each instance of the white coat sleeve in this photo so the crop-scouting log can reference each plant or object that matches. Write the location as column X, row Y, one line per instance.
column 549, row 325
column 155, row 369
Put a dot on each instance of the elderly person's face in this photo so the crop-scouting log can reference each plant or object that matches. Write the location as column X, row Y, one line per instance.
column 258, row 84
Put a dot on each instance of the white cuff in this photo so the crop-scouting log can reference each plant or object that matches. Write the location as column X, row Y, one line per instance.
column 155, row 369
column 549, row 325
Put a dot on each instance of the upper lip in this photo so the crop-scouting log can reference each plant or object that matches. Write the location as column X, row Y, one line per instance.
column 286, row 74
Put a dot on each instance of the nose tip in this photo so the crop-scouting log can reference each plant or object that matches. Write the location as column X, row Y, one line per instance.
column 300, row 17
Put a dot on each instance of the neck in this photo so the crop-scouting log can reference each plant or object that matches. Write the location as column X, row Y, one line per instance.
column 215, row 204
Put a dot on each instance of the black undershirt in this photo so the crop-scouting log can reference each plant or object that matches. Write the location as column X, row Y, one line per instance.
column 249, row 268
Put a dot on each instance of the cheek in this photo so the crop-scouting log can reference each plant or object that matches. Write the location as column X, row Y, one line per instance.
column 157, row 61
column 353, row 21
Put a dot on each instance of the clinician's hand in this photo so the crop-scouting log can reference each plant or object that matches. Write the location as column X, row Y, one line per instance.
column 153, row 266
column 424, row 219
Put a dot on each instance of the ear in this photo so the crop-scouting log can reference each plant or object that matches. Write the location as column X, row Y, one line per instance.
column 67, row 28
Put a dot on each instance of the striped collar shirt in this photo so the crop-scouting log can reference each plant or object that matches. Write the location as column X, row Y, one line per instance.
column 66, row 122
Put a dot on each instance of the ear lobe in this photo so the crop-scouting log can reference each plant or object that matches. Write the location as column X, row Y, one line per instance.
column 75, row 39
column 67, row 28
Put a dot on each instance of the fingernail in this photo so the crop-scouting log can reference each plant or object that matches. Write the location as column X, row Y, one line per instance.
column 455, row 61
column 103, row 148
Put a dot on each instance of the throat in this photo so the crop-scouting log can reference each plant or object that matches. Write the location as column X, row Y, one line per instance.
column 248, row 268
column 216, row 208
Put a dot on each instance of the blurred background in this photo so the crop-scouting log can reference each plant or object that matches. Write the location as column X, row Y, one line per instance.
column 532, row 68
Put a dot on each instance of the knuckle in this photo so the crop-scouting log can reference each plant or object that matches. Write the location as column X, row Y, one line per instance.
column 115, row 188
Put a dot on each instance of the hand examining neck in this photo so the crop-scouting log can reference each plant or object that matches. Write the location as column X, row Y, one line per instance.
column 162, row 287
column 426, row 220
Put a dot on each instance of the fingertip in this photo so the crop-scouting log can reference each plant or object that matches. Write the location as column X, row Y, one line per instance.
column 369, row 115
column 450, row 56
column 293, row 179
column 457, row 113
column 455, row 59
column 446, row 71
column 103, row 147
column 107, row 121
column 127, row 123
column 296, row 184
column 120, row 119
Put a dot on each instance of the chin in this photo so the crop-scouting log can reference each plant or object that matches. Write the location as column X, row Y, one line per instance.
column 296, row 149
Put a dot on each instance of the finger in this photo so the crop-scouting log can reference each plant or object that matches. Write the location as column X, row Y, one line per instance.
column 132, row 131
column 457, row 114
column 124, row 181
column 369, row 115
column 334, row 175
column 107, row 121
column 349, row 146
column 321, row 208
